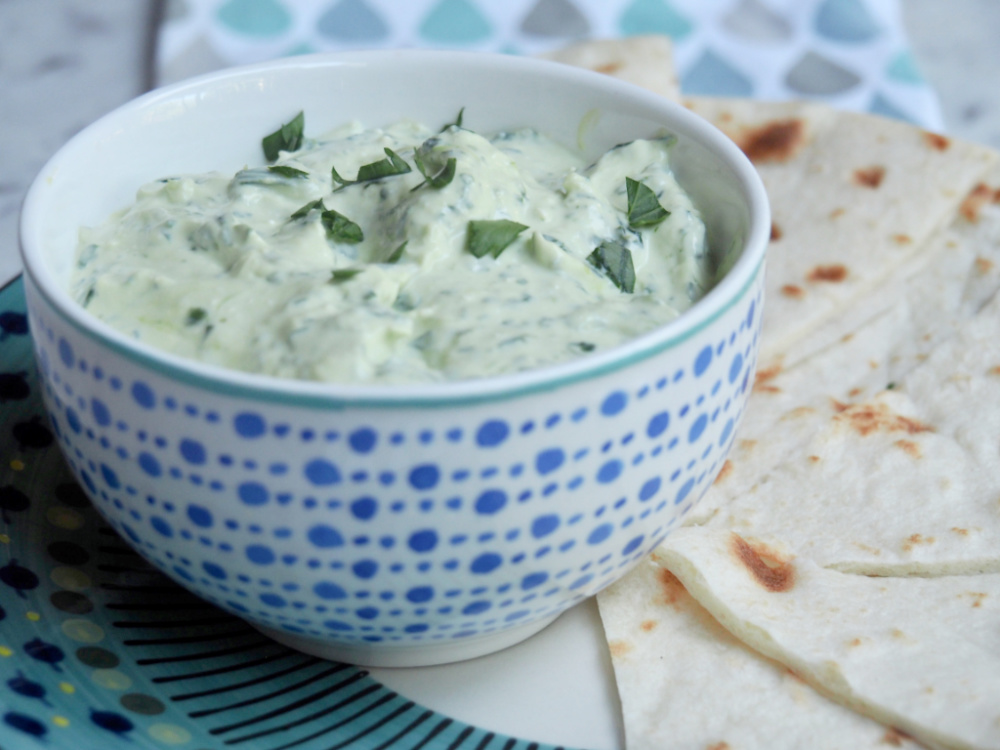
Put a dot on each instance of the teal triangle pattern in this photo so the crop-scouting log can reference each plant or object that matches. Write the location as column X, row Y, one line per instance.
column 903, row 68
column 654, row 17
column 846, row 21
column 455, row 22
column 352, row 21
column 713, row 76
column 259, row 18
column 302, row 48
column 880, row 105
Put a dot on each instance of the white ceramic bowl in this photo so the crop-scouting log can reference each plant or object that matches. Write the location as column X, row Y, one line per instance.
column 392, row 525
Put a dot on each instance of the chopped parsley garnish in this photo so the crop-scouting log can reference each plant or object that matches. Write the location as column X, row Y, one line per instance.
column 890, row 386
column 285, row 171
column 644, row 210
column 491, row 237
column 396, row 254
column 286, row 138
column 436, row 174
column 392, row 165
column 337, row 178
column 304, row 211
column 344, row 274
column 615, row 261
column 457, row 123
column 339, row 228
column 194, row 316
column 583, row 346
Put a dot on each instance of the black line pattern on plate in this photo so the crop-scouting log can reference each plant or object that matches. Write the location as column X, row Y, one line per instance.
column 276, row 698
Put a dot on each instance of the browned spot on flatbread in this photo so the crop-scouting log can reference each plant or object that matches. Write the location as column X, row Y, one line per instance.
column 814, row 459
column 974, row 202
column 609, row 68
column 977, row 598
column 647, row 625
column 765, row 388
column 866, row 419
column 895, row 737
column 775, row 232
column 936, row 141
column 768, row 569
column 915, row 540
column 747, row 445
column 719, row 746
column 619, row 648
column 960, row 531
column 725, row 471
column 855, row 392
column 902, row 239
column 838, row 406
column 983, row 265
column 855, row 642
column 834, row 273
column 767, row 373
column 794, row 675
column 671, row 589
column 995, row 370
column 837, row 213
column 774, row 141
column 795, row 292
column 910, row 448
column 869, row 177
column 797, row 413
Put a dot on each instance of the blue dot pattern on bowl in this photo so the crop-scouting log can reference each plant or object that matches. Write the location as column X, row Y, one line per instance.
column 402, row 525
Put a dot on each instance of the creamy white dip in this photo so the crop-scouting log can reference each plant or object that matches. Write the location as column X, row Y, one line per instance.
column 214, row 267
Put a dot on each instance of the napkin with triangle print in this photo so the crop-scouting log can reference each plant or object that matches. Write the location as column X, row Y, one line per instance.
column 852, row 54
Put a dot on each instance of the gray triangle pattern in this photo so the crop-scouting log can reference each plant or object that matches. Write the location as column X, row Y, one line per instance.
column 817, row 76
column 752, row 20
column 555, row 18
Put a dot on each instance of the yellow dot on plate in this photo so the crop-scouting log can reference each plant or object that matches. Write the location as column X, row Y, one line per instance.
column 64, row 518
column 111, row 679
column 4, row 539
column 70, row 578
column 60, row 721
column 17, row 464
column 67, row 688
column 33, row 616
column 4, row 651
column 83, row 631
column 170, row 734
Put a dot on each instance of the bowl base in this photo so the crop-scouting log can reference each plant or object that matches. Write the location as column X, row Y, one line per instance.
column 418, row 655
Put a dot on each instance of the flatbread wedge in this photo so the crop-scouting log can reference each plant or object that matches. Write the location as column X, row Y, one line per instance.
column 645, row 61
column 869, row 347
column 686, row 683
column 921, row 654
column 853, row 196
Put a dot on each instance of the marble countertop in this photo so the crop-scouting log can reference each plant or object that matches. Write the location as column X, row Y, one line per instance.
column 64, row 63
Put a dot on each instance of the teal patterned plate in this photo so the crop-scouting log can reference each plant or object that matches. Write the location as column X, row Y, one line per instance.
column 98, row 649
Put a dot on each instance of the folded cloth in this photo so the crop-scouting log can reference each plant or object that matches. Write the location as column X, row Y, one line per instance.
column 852, row 54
